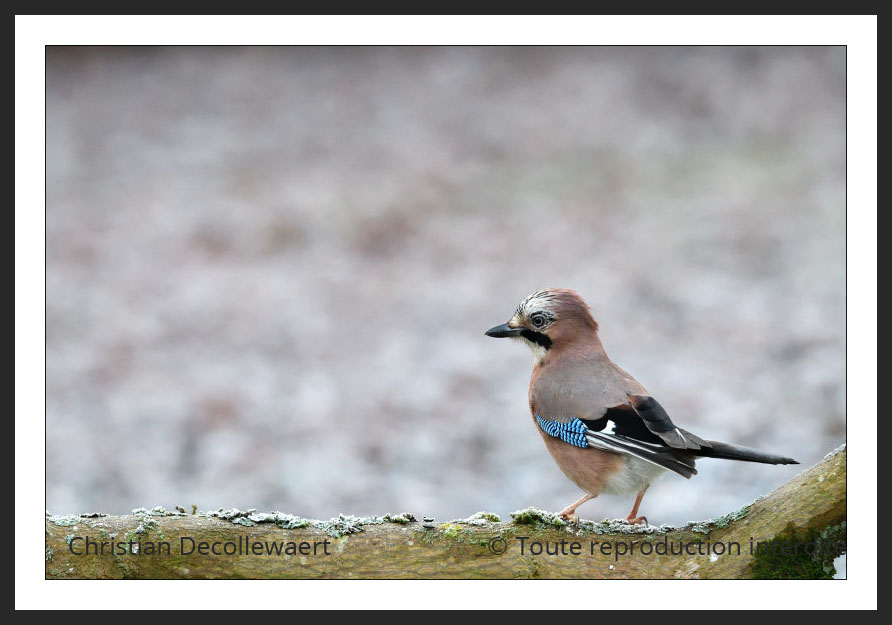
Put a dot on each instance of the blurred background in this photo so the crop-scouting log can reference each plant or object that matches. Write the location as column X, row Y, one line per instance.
column 269, row 270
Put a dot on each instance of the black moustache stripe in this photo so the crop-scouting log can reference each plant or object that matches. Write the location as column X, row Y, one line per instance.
column 536, row 337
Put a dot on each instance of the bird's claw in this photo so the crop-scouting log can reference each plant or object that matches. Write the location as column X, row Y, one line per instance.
column 570, row 516
column 636, row 520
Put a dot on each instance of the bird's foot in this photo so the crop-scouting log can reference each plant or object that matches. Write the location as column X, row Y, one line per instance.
column 569, row 515
column 636, row 520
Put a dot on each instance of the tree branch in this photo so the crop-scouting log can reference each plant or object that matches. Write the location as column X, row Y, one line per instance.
column 805, row 519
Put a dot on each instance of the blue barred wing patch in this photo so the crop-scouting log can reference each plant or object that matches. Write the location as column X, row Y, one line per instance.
column 572, row 432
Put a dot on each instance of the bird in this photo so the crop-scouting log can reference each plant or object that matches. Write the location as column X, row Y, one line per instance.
column 600, row 425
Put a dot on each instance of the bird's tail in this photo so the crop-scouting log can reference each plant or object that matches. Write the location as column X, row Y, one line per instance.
column 736, row 452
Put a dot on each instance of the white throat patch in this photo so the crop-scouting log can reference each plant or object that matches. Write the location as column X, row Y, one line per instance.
column 538, row 350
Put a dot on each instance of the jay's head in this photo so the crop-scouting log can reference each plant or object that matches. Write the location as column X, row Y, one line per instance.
column 549, row 319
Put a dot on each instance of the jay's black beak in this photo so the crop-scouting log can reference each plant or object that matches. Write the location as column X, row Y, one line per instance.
column 503, row 331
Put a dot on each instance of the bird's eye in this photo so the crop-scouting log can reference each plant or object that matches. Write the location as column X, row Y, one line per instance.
column 538, row 320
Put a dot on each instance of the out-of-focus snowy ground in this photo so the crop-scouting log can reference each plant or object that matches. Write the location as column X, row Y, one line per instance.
column 269, row 271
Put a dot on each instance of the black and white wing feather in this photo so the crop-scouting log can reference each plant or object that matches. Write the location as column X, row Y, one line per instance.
column 643, row 429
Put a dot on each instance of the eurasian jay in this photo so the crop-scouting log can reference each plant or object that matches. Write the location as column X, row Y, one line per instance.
column 604, row 430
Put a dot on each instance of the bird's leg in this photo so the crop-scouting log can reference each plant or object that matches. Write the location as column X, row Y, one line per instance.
column 633, row 517
column 569, row 513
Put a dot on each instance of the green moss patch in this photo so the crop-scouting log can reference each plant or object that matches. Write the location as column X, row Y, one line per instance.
column 341, row 525
column 450, row 530
column 800, row 554
column 479, row 518
column 621, row 526
column 533, row 516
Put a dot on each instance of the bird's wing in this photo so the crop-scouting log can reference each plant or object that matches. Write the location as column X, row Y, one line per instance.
column 601, row 406
column 642, row 418
column 643, row 429
column 578, row 433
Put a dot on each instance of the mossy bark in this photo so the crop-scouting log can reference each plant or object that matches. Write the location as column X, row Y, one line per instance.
column 812, row 504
